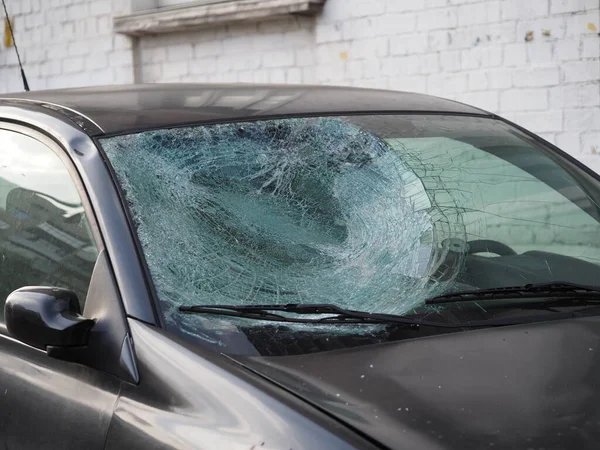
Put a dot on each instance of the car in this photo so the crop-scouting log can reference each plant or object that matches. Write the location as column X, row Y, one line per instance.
column 189, row 266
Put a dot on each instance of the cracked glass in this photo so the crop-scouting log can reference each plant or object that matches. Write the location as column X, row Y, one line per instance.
column 370, row 213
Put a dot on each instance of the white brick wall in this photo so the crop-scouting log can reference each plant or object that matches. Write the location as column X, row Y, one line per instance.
column 473, row 51
column 65, row 43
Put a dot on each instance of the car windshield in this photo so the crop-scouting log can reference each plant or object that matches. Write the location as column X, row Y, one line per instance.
column 373, row 213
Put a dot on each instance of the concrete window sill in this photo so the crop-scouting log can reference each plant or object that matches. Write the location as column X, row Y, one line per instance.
column 202, row 15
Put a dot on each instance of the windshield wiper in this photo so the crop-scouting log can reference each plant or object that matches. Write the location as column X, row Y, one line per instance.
column 539, row 290
column 334, row 314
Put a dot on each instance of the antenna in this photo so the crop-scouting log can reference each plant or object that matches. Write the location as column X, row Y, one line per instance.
column 12, row 35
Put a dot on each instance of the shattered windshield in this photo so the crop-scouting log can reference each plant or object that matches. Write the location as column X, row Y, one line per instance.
column 369, row 213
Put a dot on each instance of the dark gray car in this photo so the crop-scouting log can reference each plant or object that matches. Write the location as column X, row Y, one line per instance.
column 286, row 267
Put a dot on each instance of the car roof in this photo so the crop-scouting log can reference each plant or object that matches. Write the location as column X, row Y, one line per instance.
column 129, row 108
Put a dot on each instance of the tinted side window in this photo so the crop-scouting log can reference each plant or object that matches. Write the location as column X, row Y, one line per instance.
column 45, row 238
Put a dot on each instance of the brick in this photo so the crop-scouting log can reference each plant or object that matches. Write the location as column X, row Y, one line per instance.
column 478, row 81
column 96, row 61
column 436, row 19
column 369, row 48
column 121, row 58
column 237, row 45
column 73, row 65
column 103, row 25
column 492, row 56
column 470, row 59
column 536, row 77
column 409, row 83
column 540, row 53
column 429, row 63
column 353, row 70
column 152, row 72
column 153, row 55
column 409, row 44
column 296, row 38
column 182, row 52
column 100, row 7
column 479, row 13
column 77, row 12
column 203, row 66
column 361, row 28
column 293, row 75
column 403, row 6
column 366, row 8
column 540, row 122
column 524, row 100
column 581, row 71
column 305, row 57
column 173, row 71
column 393, row 24
column 519, row 9
column 590, row 143
column 210, row 48
column 486, row 100
column 328, row 73
column 582, row 119
column 579, row 23
column 51, row 67
column 570, row 6
column 515, row 55
column 435, row 3
column 247, row 61
column 555, row 25
column 574, row 95
column 567, row 49
column 444, row 84
column 400, row 65
column 328, row 33
column 78, row 48
column 309, row 75
column 278, row 59
column 264, row 42
column 590, row 47
column 121, row 42
column 439, row 40
column 260, row 76
column 451, row 60
column 332, row 53
column 371, row 68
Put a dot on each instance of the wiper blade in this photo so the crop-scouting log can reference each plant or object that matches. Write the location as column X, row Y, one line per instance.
column 334, row 314
column 341, row 316
column 539, row 290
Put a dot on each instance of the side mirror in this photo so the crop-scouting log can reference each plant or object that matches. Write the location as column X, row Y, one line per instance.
column 46, row 317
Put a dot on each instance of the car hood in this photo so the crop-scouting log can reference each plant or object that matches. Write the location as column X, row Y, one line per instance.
column 520, row 387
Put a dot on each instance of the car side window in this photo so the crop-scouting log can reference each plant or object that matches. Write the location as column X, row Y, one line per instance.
column 45, row 237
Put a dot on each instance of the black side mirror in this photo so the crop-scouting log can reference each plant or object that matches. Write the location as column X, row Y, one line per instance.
column 46, row 317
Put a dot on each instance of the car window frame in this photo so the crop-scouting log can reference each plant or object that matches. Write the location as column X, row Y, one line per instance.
column 60, row 151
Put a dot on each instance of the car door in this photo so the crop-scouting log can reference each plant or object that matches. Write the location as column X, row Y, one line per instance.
column 48, row 238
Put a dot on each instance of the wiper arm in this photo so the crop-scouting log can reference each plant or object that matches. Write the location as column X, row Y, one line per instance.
column 341, row 316
column 334, row 314
column 539, row 290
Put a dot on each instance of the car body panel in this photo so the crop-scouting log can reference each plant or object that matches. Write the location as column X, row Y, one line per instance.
column 47, row 403
column 527, row 386
column 186, row 401
column 120, row 109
